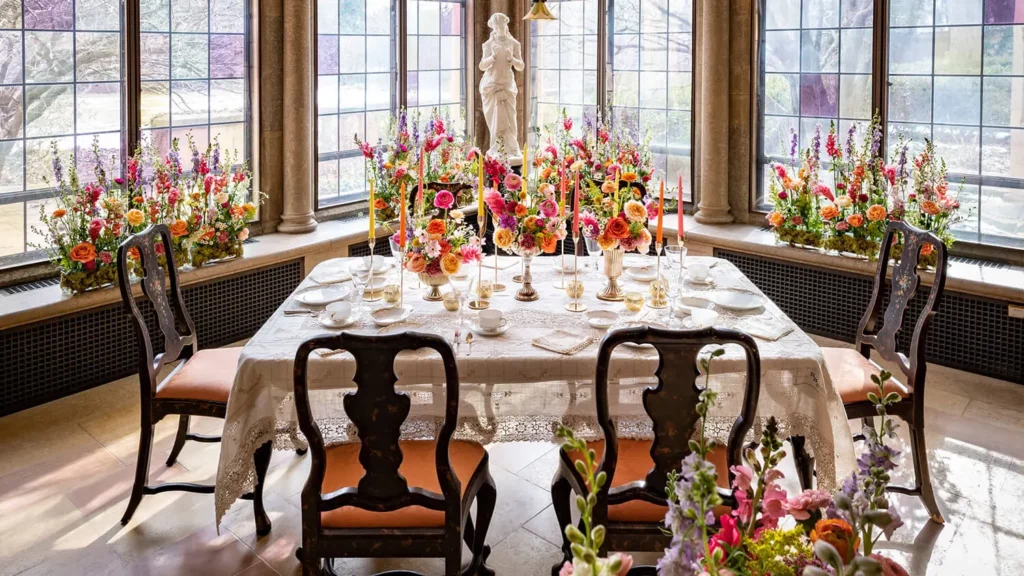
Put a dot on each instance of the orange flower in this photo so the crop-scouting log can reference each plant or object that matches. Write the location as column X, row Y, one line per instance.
column 927, row 249
column 138, row 199
column 617, row 228
column 521, row 210
column 549, row 243
column 629, row 177
column 416, row 263
column 829, row 211
column 179, row 228
column 503, row 238
column 776, row 219
column 59, row 213
column 606, row 242
column 545, row 173
column 84, row 252
column 135, row 217
column 530, row 223
column 445, row 178
column 839, row 534
column 436, row 226
column 450, row 264
column 608, row 187
column 855, row 220
column 237, row 212
column 133, row 253
column 380, row 204
column 876, row 213
column 930, row 207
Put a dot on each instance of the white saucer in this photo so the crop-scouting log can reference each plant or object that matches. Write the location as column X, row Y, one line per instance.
column 477, row 329
column 378, row 267
column 389, row 316
column 327, row 322
column 602, row 319
column 324, row 295
column 701, row 318
column 568, row 266
column 739, row 301
column 709, row 281
column 688, row 302
column 643, row 274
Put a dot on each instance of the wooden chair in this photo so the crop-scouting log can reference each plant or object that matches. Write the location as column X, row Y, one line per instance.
column 851, row 369
column 632, row 503
column 385, row 497
column 198, row 386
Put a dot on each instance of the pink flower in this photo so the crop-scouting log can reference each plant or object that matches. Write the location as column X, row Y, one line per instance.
column 173, row 196
column 842, row 226
column 472, row 154
column 567, row 123
column 801, row 505
column 243, row 235
column 513, row 182
column 400, row 172
column 783, row 195
column 652, row 210
column 90, row 265
column 728, row 536
column 444, row 200
column 470, row 253
column 773, row 505
column 780, row 171
column 548, row 208
column 566, row 569
column 494, row 201
column 590, row 225
column 106, row 257
column 744, row 478
column 796, row 220
column 627, row 563
column 744, row 507
column 159, row 248
column 96, row 228
column 822, row 190
column 222, row 237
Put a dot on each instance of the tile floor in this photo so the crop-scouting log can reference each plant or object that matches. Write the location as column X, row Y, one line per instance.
column 66, row 471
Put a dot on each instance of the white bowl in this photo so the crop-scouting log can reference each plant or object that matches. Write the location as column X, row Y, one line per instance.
column 602, row 319
column 702, row 318
column 389, row 316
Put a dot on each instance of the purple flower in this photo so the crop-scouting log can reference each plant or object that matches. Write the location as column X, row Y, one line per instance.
column 876, row 141
column 793, row 144
column 816, row 144
column 58, row 167
column 849, row 140
column 901, row 165
column 216, row 158
column 507, row 220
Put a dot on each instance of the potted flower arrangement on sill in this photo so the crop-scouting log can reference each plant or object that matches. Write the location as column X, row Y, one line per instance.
column 390, row 166
column 447, row 164
column 86, row 226
column 794, row 201
column 440, row 246
column 221, row 210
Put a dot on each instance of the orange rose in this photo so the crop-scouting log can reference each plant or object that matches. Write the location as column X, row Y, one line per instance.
column 829, row 211
column 927, row 249
column 530, row 223
column 179, row 228
column 133, row 253
column 521, row 210
column 609, row 187
column 380, row 204
column 135, row 217
column 59, row 213
column 437, row 226
column 606, row 242
column 549, row 243
column 776, row 219
column 839, row 534
column 876, row 213
column 84, row 252
column 635, row 211
column 617, row 228
column 930, row 207
column 855, row 220
column 629, row 177
column 503, row 238
column 416, row 263
column 450, row 264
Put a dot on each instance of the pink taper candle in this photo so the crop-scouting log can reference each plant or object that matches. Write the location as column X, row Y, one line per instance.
column 661, row 212
column 576, row 209
column 679, row 196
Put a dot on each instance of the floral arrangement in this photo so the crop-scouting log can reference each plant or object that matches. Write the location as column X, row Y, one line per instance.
column 442, row 245
column 600, row 153
column 391, row 165
column 85, row 228
column 527, row 222
column 617, row 217
column 868, row 192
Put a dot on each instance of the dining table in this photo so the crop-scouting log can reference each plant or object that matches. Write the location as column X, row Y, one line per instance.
column 511, row 388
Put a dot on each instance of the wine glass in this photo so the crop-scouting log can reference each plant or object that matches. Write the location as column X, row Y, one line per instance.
column 673, row 282
column 675, row 255
column 461, row 287
column 594, row 250
column 360, row 278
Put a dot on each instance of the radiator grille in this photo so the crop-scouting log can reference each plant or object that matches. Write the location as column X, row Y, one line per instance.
column 968, row 333
column 52, row 359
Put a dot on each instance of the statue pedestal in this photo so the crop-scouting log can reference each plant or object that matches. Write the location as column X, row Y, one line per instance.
column 517, row 165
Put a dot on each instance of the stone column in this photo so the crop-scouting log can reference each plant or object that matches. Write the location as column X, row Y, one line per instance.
column 714, row 121
column 271, row 120
column 298, row 146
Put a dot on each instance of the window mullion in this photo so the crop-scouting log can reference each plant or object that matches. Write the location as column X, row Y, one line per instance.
column 402, row 47
column 880, row 67
column 132, row 93
column 604, row 40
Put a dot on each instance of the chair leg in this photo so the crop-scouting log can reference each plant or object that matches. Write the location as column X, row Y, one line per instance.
column 262, row 461
column 179, row 439
column 561, row 493
column 804, row 462
column 310, row 563
column 922, row 474
column 141, row 472
column 485, row 500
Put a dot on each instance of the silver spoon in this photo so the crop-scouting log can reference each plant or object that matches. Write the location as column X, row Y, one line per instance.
column 469, row 340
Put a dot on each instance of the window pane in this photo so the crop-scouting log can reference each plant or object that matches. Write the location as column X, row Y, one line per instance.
column 60, row 81
column 818, row 57
column 356, row 63
column 958, row 79
column 652, row 79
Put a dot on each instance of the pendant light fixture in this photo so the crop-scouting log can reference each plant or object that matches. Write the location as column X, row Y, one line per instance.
column 539, row 11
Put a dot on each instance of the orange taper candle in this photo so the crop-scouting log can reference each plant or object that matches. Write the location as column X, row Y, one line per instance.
column 661, row 211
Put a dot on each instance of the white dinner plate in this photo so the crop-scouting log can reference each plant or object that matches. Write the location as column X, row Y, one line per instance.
column 327, row 322
column 709, row 281
column 740, row 301
column 480, row 330
column 323, row 295
column 389, row 316
column 602, row 319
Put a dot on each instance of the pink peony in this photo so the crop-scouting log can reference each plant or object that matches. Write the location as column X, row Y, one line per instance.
column 444, row 200
column 801, row 505
column 513, row 182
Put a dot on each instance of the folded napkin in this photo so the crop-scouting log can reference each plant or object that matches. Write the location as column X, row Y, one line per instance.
column 563, row 342
column 504, row 262
column 330, row 277
column 766, row 327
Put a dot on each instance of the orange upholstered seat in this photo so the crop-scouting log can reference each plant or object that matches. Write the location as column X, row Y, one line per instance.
column 633, row 464
column 207, row 375
column 851, row 375
column 420, row 471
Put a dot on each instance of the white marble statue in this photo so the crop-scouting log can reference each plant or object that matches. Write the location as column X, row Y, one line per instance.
column 501, row 54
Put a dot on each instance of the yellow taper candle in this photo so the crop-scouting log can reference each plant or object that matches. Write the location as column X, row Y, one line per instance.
column 373, row 222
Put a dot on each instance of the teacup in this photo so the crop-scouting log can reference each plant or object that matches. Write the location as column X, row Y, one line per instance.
column 699, row 272
column 339, row 311
column 492, row 319
column 378, row 262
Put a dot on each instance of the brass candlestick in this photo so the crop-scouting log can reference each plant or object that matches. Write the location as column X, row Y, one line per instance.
column 369, row 295
column 658, row 288
column 575, row 289
column 479, row 303
column 561, row 273
column 497, row 287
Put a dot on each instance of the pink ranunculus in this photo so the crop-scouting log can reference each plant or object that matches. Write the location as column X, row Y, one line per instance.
column 801, row 505
column 96, row 228
column 513, row 182
column 444, row 200
column 549, row 208
column 494, row 201
column 652, row 210
column 744, row 478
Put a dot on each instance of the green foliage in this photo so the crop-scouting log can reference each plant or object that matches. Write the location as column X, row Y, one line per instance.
column 775, row 552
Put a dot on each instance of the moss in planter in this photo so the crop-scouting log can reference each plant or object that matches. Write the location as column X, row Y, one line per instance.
column 204, row 254
column 797, row 237
column 83, row 281
column 864, row 247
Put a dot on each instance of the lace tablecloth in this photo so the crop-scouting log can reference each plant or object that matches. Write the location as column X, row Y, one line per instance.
column 514, row 391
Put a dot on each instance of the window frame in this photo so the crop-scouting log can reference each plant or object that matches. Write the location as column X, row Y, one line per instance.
column 347, row 205
column 605, row 51
column 131, row 113
column 979, row 245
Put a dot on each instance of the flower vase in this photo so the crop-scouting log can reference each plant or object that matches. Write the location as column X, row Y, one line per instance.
column 612, row 270
column 203, row 254
column 434, row 281
column 527, row 293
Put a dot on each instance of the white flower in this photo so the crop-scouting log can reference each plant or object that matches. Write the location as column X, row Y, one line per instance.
column 456, row 214
column 222, row 198
column 243, row 235
column 844, row 201
column 433, row 249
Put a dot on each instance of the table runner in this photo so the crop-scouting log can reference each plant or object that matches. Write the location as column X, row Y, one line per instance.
column 514, row 391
